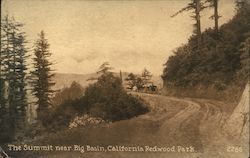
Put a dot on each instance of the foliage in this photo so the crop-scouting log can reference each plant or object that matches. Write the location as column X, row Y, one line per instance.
column 196, row 6
column 218, row 62
column 85, row 120
column 134, row 81
column 108, row 100
column 131, row 80
column 146, row 76
column 63, row 114
column 104, row 68
column 75, row 91
column 13, row 72
column 42, row 77
column 215, row 16
column 244, row 57
column 139, row 81
column 104, row 99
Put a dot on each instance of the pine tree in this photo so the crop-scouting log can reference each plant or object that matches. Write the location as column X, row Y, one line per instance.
column 13, row 56
column 21, row 68
column 42, row 80
column 4, row 108
column 196, row 6
column 216, row 16
column 214, row 4
column 146, row 76
column 5, row 56
column 104, row 68
column 2, row 83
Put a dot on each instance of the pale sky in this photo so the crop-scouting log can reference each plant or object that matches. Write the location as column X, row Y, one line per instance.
column 131, row 35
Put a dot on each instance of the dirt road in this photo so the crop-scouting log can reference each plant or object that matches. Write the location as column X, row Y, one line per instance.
column 191, row 126
column 199, row 125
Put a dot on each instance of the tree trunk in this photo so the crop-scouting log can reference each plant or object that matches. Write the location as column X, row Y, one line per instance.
column 216, row 17
column 198, row 23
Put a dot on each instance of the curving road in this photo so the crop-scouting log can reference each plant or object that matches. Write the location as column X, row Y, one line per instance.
column 199, row 125
column 193, row 124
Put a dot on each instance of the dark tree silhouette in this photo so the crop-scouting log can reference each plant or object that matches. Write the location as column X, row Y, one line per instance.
column 104, row 68
column 215, row 16
column 42, row 77
column 146, row 76
column 196, row 6
column 13, row 67
column 131, row 80
column 75, row 91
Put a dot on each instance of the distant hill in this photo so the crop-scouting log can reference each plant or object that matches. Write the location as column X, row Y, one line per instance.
column 65, row 79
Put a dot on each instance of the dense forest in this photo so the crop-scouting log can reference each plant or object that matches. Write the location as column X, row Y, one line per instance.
column 19, row 83
column 214, row 63
column 13, row 92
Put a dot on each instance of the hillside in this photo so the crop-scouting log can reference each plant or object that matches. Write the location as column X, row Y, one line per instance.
column 219, row 68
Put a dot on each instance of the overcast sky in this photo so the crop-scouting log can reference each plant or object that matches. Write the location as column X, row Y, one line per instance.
column 131, row 35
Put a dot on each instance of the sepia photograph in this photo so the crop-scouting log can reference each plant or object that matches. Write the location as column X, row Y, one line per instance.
column 124, row 79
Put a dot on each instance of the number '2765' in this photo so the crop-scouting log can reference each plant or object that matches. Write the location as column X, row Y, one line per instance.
column 235, row 149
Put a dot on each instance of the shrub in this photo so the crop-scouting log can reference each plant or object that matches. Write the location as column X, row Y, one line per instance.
column 75, row 91
column 85, row 120
column 108, row 100
column 105, row 99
